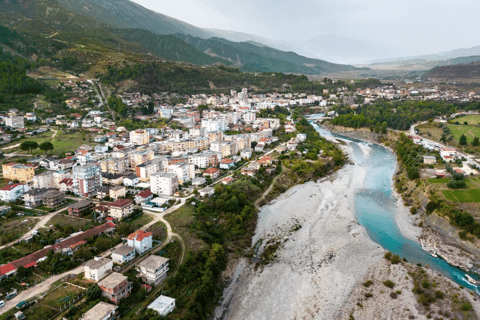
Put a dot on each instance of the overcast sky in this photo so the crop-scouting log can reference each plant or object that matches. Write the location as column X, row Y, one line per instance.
column 424, row 26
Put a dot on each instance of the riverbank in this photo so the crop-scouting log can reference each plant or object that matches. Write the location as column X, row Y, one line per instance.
column 323, row 256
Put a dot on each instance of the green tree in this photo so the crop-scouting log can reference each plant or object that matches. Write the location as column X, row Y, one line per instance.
column 29, row 146
column 384, row 127
column 413, row 173
column 94, row 293
column 46, row 146
column 476, row 142
column 463, row 140
column 23, row 272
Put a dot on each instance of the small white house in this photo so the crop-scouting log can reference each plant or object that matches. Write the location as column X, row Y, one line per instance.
column 123, row 254
column 98, row 268
column 141, row 241
column 246, row 153
column 163, row 305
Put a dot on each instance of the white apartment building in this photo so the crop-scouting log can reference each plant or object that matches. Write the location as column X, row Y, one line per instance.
column 184, row 171
column 123, row 254
column 205, row 159
column 15, row 122
column 13, row 192
column 214, row 125
column 87, row 179
column 197, row 132
column 147, row 169
column 249, row 117
column 113, row 165
column 139, row 137
column 164, row 183
column 153, row 269
column 97, row 268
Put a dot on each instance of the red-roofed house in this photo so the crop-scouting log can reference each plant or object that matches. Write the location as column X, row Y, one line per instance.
column 141, row 241
column 12, row 192
column 227, row 180
column 143, row 196
column 265, row 161
column 459, row 171
column 227, row 164
column 7, row 270
column 213, row 173
column 120, row 208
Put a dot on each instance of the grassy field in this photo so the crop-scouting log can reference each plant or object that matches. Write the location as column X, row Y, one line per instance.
column 66, row 220
column 180, row 221
column 140, row 221
column 53, row 298
column 472, row 120
column 436, row 181
column 472, row 195
column 159, row 231
column 469, row 131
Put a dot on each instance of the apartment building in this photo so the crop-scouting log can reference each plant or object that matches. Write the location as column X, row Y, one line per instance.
column 17, row 171
column 113, row 165
column 226, row 148
column 153, row 270
column 123, row 254
column 214, row 125
column 80, row 208
column 215, row 136
column 87, row 179
column 44, row 180
column 243, row 140
column 249, row 117
column 184, row 171
column 139, row 137
column 205, row 159
column 164, row 183
column 118, row 192
column 186, row 145
column 120, row 208
column 115, row 287
column 13, row 192
column 49, row 197
column 138, row 158
column 15, row 122
column 97, row 268
column 147, row 169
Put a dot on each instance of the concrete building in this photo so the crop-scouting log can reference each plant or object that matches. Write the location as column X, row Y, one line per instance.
column 118, row 192
column 49, row 197
column 147, row 169
column 123, row 254
column 115, row 287
column 153, row 270
column 184, row 171
column 101, row 311
column 44, row 180
column 164, row 183
column 163, row 305
column 429, row 159
column 80, row 208
column 97, row 268
column 19, row 172
column 120, row 208
column 139, row 137
column 205, row 159
column 226, row 148
column 213, row 173
column 215, row 125
column 140, row 240
column 13, row 192
column 87, row 179
column 113, row 165
column 17, row 122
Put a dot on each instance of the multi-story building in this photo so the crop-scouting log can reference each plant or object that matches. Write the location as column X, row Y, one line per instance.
column 215, row 136
column 59, row 176
column 153, row 270
column 139, row 137
column 184, row 171
column 226, row 148
column 196, row 143
column 80, row 208
column 249, row 117
column 13, row 192
column 120, row 208
column 145, row 170
column 17, row 171
column 44, row 180
column 205, row 159
column 138, row 158
column 50, row 197
column 164, row 183
column 87, row 179
column 15, row 122
column 113, row 165
column 115, row 287
column 140, row 240
column 213, row 173
column 123, row 254
column 97, row 268
column 243, row 140
column 118, row 192
column 214, row 125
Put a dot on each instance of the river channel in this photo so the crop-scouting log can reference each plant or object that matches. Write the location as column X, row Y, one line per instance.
column 376, row 208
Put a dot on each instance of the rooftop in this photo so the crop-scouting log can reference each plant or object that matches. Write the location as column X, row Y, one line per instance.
column 161, row 303
column 153, row 262
column 97, row 263
column 112, row 280
column 100, row 311
column 139, row 235
column 121, row 203
column 80, row 204
column 123, row 250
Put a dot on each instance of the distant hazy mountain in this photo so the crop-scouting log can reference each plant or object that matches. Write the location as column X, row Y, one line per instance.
column 442, row 56
column 251, row 57
column 342, row 49
column 460, row 71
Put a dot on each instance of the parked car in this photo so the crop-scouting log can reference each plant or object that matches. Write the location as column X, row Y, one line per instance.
column 2, row 303
column 21, row 304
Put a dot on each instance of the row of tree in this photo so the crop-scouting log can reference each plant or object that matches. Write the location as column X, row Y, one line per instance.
column 33, row 145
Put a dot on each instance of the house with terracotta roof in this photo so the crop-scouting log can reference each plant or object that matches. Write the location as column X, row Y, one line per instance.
column 13, row 192
column 143, row 196
column 213, row 173
column 120, row 208
column 227, row 164
column 141, row 241
column 7, row 270
column 265, row 161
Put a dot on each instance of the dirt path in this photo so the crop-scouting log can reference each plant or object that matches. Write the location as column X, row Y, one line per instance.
column 268, row 190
